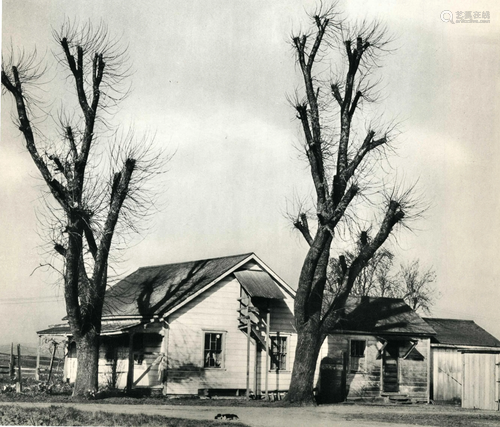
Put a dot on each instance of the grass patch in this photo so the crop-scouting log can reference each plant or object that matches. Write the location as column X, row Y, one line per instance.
column 431, row 419
column 67, row 416
column 30, row 395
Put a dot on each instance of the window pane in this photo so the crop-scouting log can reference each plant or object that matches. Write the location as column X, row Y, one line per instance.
column 358, row 348
column 213, row 350
column 357, row 354
column 278, row 352
column 207, row 341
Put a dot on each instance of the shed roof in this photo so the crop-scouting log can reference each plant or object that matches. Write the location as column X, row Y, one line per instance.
column 107, row 327
column 377, row 315
column 259, row 284
column 155, row 290
column 461, row 333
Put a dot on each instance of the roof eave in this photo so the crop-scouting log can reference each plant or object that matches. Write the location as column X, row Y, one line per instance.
column 380, row 333
column 466, row 347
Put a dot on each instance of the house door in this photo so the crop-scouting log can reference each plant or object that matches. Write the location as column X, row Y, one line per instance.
column 390, row 368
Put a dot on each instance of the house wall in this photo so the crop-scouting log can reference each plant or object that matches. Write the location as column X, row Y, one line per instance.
column 364, row 384
column 282, row 321
column 336, row 381
column 215, row 310
column 447, row 375
column 466, row 375
column 413, row 374
column 113, row 360
column 481, row 381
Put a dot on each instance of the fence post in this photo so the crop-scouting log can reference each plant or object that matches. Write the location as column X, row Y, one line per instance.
column 11, row 361
column 19, row 385
column 52, row 361
column 37, row 370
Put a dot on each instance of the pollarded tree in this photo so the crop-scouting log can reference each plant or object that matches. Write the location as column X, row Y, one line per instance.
column 344, row 167
column 91, row 198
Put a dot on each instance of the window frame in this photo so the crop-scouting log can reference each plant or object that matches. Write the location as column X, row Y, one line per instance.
column 286, row 338
column 222, row 350
column 360, row 367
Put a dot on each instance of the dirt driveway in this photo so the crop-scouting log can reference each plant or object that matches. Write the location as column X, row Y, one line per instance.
column 328, row 415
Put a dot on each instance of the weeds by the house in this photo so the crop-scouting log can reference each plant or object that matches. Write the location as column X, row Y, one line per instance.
column 67, row 416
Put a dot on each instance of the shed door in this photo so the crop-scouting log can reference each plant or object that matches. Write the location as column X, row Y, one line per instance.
column 480, row 381
column 390, row 368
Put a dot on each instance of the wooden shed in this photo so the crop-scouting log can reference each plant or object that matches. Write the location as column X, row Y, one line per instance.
column 465, row 364
column 379, row 351
column 215, row 326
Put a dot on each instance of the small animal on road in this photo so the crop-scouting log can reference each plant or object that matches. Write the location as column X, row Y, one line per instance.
column 226, row 417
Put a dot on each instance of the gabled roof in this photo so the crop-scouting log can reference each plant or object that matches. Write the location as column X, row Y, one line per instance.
column 380, row 316
column 461, row 333
column 157, row 290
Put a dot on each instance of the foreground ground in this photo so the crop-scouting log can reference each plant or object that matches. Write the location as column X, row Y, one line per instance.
column 340, row 415
column 67, row 415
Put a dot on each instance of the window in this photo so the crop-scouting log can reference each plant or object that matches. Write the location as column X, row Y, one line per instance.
column 212, row 353
column 278, row 353
column 357, row 354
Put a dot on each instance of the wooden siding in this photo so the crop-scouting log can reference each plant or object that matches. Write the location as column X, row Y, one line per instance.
column 213, row 311
column 463, row 375
column 446, row 375
column 365, row 384
column 282, row 321
column 216, row 310
column 480, row 384
column 280, row 380
column 413, row 373
column 113, row 361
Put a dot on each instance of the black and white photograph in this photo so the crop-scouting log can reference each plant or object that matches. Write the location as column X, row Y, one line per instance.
column 250, row 213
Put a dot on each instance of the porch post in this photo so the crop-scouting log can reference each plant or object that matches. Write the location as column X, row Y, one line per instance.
column 430, row 371
column 130, row 372
column 249, row 331
column 256, row 369
column 268, row 321
column 164, row 350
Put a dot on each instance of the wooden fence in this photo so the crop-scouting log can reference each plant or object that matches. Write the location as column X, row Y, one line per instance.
column 15, row 366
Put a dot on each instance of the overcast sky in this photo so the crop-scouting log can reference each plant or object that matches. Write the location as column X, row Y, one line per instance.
column 211, row 79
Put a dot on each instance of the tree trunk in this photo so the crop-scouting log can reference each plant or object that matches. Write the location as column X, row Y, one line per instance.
column 309, row 341
column 88, row 363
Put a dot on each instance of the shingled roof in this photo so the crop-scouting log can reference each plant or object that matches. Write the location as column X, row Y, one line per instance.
column 376, row 315
column 461, row 333
column 158, row 289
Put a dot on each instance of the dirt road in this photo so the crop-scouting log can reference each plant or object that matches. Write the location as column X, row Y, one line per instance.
column 324, row 416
